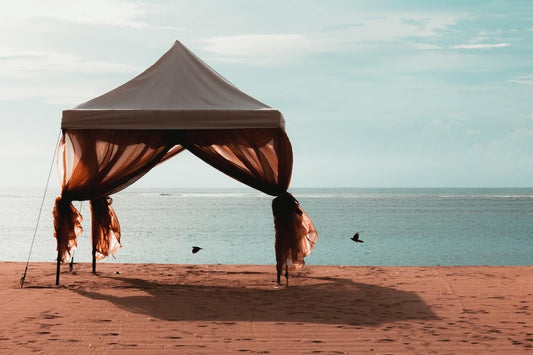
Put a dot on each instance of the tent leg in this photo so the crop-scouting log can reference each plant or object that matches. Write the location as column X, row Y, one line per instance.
column 71, row 265
column 279, row 270
column 94, row 261
column 58, row 268
column 287, row 273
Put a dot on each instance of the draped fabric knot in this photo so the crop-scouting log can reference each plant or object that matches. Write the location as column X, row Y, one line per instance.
column 105, row 228
column 295, row 233
column 284, row 205
column 67, row 225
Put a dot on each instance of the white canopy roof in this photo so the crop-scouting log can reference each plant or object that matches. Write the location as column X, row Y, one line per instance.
column 179, row 91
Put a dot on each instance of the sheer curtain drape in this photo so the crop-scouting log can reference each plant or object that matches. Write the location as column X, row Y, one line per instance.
column 94, row 164
column 262, row 159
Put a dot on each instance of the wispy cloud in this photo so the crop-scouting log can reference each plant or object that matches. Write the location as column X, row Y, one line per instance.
column 481, row 45
column 524, row 80
column 390, row 27
column 29, row 63
column 425, row 46
column 41, row 75
column 269, row 49
column 96, row 12
column 53, row 92
column 116, row 13
column 264, row 49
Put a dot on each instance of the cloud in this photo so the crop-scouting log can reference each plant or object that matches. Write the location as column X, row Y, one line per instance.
column 41, row 75
column 53, row 92
column 94, row 12
column 425, row 46
column 391, row 27
column 513, row 146
column 524, row 80
column 117, row 13
column 268, row 49
column 264, row 49
column 29, row 63
column 481, row 45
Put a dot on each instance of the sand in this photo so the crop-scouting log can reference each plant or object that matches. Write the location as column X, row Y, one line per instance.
column 141, row 308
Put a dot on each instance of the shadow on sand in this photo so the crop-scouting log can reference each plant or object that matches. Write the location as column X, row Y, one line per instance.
column 324, row 300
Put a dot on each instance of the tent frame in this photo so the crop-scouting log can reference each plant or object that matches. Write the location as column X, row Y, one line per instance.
column 177, row 104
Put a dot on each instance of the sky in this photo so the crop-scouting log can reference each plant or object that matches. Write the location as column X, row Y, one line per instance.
column 374, row 93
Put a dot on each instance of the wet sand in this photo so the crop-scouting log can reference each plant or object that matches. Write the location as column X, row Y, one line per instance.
column 140, row 308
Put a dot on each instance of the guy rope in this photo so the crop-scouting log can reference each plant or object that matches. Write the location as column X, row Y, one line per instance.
column 23, row 278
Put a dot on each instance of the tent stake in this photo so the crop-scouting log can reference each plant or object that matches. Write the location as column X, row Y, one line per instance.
column 57, row 268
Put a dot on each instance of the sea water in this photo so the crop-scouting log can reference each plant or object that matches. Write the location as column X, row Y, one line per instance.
column 445, row 226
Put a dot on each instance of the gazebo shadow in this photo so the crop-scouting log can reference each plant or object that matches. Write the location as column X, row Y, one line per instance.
column 326, row 301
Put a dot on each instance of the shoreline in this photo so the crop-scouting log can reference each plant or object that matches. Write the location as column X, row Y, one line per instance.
column 239, row 308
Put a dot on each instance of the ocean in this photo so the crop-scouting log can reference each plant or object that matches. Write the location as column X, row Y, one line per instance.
column 400, row 227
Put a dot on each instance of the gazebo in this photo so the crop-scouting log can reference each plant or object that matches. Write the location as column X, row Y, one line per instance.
column 178, row 103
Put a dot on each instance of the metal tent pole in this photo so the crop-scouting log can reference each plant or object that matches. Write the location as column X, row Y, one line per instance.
column 94, row 259
column 58, row 268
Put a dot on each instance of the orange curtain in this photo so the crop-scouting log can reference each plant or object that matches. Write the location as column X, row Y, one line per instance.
column 295, row 232
column 94, row 164
column 262, row 159
column 105, row 228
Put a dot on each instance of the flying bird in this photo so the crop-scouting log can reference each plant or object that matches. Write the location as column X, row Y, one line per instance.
column 356, row 239
column 196, row 249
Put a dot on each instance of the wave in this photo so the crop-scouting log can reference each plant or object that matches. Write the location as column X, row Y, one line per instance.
column 488, row 197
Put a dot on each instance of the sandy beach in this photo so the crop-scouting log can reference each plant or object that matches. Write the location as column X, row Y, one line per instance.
column 141, row 308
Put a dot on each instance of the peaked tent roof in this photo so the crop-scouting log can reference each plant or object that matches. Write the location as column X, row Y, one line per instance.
column 179, row 91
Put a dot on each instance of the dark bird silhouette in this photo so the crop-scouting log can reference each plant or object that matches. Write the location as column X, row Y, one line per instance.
column 196, row 249
column 356, row 239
